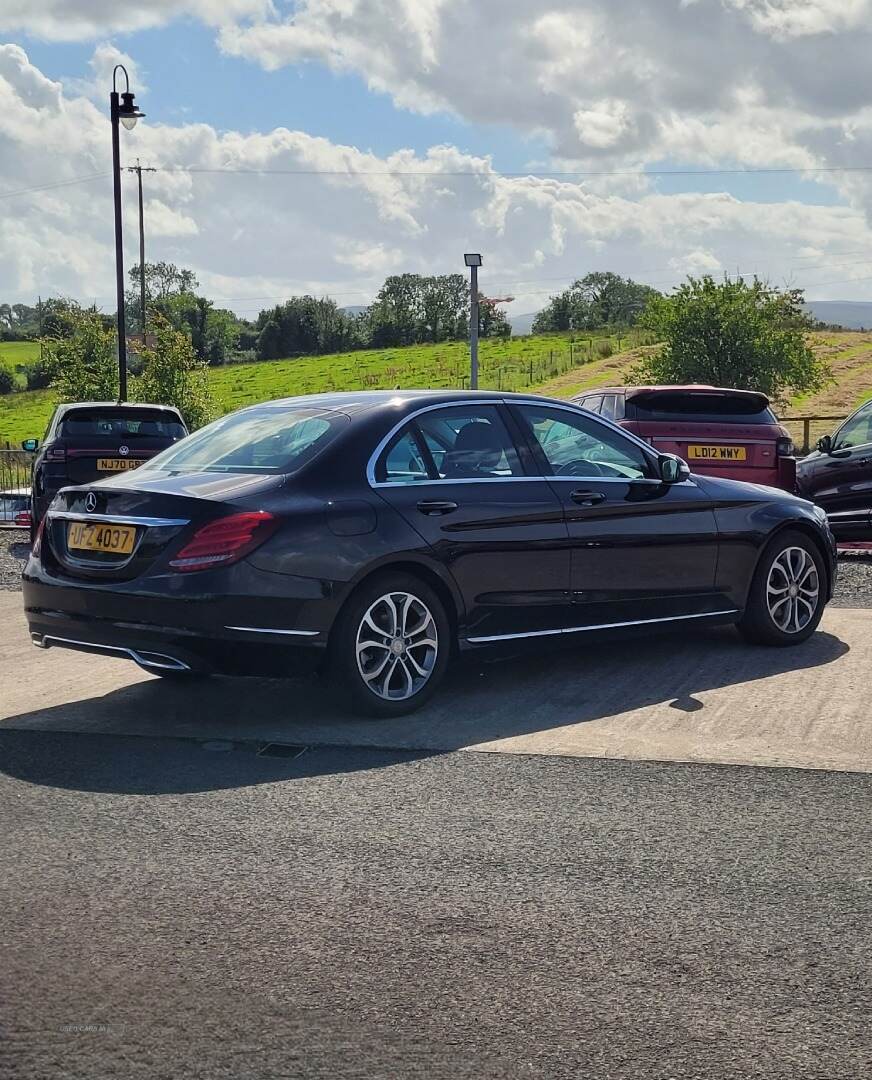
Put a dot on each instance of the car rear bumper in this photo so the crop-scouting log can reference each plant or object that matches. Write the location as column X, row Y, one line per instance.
column 244, row 622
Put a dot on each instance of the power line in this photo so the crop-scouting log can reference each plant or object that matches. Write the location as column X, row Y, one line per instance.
column 54, row 184
column 533, row 174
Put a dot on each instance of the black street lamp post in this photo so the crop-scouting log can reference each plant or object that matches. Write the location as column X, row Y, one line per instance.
column 121, row 108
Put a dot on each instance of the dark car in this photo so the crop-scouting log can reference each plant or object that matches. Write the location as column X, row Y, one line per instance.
column 89, row 440
column 373, row 534
column 716, row 430
column 838, row 477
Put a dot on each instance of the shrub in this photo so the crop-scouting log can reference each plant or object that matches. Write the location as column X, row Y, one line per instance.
column 7, row 381
column 604, row 348
column 37, row 375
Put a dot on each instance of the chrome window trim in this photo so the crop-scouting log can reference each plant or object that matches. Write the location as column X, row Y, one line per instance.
column 527, row 480
column 119, row 519
column 496, row 402
column 598, row 626
column 270, row 630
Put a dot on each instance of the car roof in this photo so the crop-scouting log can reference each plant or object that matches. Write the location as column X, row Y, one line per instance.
column 365, row 400
column 697, row 388
column 132, row 405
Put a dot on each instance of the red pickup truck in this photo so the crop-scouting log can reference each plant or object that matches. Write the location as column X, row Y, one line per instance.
column 718, row 431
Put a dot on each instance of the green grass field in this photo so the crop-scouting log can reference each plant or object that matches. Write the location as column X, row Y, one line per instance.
column 545, row 364
column 13, row 354
column 516, row 364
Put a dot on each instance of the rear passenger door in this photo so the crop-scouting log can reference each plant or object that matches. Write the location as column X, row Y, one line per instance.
column 457, row 476
column 641, row 549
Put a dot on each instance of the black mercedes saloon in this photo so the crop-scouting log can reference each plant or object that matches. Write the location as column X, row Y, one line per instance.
column 372, row 535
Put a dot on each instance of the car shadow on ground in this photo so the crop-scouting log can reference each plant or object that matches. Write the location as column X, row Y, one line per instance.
column 485, row 698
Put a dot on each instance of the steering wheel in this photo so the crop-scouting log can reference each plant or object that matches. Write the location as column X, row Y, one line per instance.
column 581, row 467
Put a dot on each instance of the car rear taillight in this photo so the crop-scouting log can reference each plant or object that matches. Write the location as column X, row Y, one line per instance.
column 55, row 453
column 225, row 541
column 784, row 446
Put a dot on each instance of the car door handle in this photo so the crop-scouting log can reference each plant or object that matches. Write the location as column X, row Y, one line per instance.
column 436, row 506
column 587, row 498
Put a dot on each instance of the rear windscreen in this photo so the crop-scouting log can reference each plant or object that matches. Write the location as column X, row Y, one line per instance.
column 266, row 440
column 710, row 408
column 121, row 425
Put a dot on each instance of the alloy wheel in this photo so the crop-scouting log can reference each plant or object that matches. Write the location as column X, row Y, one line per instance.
column 792, row 590
column 397, row 646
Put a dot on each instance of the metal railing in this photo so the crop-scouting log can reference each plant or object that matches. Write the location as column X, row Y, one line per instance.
column 15, row 466
column 823, row 425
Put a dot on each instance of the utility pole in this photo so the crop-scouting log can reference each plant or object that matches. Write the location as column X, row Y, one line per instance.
column 139, row 170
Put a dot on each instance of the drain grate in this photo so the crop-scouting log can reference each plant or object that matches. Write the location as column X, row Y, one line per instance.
column 283, row 750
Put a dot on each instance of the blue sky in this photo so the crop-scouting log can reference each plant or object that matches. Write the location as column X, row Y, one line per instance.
column 189, row 80
column 606, row 85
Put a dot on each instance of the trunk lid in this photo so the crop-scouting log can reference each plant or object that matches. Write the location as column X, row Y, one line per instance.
column 117, row 529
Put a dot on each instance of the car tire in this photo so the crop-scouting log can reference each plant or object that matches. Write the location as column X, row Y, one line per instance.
column 410, row 632
column 788, row 594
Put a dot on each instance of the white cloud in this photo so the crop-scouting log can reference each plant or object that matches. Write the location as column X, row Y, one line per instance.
column 254, row 239
column 78, row 20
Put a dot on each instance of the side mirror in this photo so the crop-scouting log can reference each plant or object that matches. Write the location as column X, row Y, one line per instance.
column 30, row 444
column 825, row 444
column 672, row 469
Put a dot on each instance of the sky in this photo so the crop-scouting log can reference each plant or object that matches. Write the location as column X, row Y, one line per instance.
column 319, row 145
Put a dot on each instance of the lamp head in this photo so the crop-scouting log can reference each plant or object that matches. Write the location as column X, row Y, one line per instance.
column 128, row 112
column 472, row 260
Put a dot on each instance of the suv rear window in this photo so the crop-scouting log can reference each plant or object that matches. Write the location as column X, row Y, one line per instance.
column 116, row 424
column 711, row 408
column 259, row 440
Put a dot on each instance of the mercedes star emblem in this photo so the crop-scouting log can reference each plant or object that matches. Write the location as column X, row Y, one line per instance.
column 90, row 502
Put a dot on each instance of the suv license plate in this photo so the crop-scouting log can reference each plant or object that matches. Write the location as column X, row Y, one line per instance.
column 717, row 453
column 116, row 464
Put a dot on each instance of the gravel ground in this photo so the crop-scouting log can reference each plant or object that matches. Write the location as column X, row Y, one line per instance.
column 174, row 911
column 14, row 545
column 854, row 587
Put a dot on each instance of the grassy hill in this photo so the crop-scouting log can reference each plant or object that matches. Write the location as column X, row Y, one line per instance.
column 13, row 354
column 549, row 364
column 516, row 364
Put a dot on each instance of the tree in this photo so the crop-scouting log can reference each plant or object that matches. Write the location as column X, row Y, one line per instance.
column 747, row 336
column 492, row 321
column 162, row 279
column 596, row 300
column 83, row 360
column 173, row 374
column 303, row 326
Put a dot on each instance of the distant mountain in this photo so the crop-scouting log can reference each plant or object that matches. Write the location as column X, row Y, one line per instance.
column 522, row 324
column 852, row 314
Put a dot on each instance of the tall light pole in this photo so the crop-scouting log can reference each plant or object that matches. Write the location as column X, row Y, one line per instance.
column 121, row 108
column 473, row 262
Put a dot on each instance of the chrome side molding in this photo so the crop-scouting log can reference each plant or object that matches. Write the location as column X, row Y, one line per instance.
column 268, row 630
column 599, row 626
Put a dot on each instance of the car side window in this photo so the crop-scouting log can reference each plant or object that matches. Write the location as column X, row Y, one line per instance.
column 608, row 406
column 577, row 446
column 855, row 432
column 469, row 443
column 593, row 404
column 403, row 462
